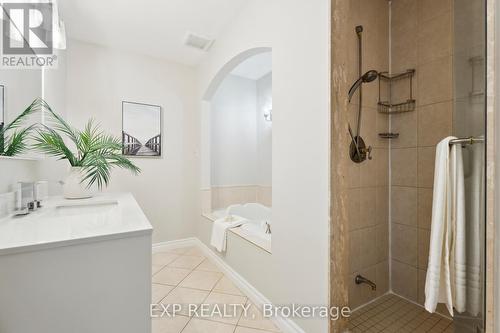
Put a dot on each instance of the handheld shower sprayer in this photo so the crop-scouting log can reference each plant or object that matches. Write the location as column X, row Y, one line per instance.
column 365, row 78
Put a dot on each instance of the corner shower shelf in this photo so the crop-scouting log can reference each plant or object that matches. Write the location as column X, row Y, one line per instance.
column 388, row 106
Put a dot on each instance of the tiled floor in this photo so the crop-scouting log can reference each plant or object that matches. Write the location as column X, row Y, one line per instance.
column 391, row 313
column 185, row 276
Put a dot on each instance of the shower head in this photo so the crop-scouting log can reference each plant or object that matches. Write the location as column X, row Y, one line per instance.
column 367, row 77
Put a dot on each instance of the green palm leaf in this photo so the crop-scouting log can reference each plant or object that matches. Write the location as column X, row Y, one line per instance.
column 97, row 153
column 15, row 144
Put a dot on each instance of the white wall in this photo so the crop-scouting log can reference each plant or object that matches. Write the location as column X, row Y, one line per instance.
column 264, row 130
column 98, row 80
column 299, row 33
column 233, row 130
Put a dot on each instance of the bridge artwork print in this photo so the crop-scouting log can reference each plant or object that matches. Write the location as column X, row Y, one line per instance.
column 141, row 134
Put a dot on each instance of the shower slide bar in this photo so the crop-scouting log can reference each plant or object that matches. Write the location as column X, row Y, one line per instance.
column 467, row 141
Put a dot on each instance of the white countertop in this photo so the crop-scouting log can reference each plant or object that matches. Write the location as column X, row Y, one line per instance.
column 63, row 222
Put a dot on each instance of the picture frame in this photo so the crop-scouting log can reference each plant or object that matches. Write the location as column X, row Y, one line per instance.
column 141, row 129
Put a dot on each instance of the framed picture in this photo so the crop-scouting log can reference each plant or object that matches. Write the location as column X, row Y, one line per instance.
column 141, row 129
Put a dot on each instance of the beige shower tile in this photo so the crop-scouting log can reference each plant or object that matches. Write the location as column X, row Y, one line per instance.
column 368, row 197
column 426, row 157
column 435, row 38
column 424, row 213
column 382, row 278
column 381, row 158
column 424, row 236
column 368, row 243
column 404, row 166
column 428, row 9
column 404, row 280
column 382, row 205
column 421, row 286
column 404, row 205
column 435, row 122
column 403, row 14
column 404, row 244
column 354, row 175
column 354, row 202
column 404, row 52
column 354, row 251
column 368, row 172
column 406, row 125
column 382, row 242
column 435, row 81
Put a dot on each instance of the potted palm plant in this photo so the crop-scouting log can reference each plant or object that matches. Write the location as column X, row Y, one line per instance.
column 13, row 138
column 91, row 153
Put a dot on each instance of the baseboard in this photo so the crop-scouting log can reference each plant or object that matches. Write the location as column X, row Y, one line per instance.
column 191, row 241
column 286, row 325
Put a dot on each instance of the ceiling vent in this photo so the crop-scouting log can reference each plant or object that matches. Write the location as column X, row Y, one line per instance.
column 198, row 41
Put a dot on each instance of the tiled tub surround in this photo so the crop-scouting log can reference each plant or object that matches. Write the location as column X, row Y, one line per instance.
column 368, row 182
column 186, row 276
column 422, row 33
column 223, row 196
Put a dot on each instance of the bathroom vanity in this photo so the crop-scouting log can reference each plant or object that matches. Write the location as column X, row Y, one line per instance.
column 80, row 266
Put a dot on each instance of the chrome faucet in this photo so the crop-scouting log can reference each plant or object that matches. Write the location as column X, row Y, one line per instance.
column 361, row 279
column 268, row 228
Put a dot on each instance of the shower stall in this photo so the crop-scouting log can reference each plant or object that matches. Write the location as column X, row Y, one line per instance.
column 407, row 74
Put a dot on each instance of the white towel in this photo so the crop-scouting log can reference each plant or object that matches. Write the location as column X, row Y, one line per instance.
column 446, row 271
column 475, row 218
column 219, row 230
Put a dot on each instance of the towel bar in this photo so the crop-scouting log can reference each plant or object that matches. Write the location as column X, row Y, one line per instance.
column 467, row 141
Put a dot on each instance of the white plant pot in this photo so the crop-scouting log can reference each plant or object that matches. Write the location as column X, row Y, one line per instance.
column 73, row 188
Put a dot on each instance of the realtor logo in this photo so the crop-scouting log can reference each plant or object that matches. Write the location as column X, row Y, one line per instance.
column 27, row 28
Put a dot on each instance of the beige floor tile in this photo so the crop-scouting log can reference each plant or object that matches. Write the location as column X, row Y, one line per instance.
column 255, row 319
column 171, row 276
column 233, row 310
column 206, row 326
column 169, row 324
column 227, row 287
column 200, row 280
column 155, row 269
column 179, row 250
column 185, row 297
column 163, row 258
column 207, row 265
column 187, row 262
column 159, row 291
column 240, row 329
column 194, row 251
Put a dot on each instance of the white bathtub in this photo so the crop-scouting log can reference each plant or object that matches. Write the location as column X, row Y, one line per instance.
column 256, row 214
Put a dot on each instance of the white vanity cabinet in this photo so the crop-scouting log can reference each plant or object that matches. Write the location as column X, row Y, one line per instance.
column 77, row 267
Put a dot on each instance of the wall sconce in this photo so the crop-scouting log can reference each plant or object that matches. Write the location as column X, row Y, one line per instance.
column 268, row 115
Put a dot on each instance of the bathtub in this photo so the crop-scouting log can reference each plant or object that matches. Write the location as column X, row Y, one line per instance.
column 256, row 214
